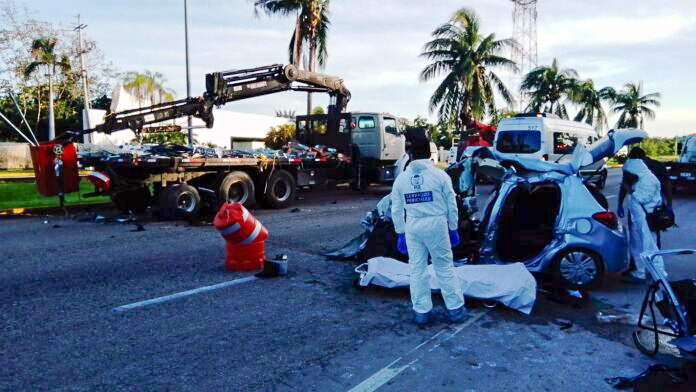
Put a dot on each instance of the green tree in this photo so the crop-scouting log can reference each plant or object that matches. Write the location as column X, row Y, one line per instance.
column 280, row 135
column 590, row 101
column 311, row 30
column 547, row 85
column 179, row 138
column 465, row 57
column 45, row 57
column 148, row 86
column 634, row 106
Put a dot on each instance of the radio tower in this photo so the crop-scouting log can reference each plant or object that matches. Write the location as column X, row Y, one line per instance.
column 524, row 31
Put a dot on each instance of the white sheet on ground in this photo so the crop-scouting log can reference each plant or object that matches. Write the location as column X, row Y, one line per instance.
column 510, row 284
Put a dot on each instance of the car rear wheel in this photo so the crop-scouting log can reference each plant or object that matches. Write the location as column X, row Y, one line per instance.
column 578, row 268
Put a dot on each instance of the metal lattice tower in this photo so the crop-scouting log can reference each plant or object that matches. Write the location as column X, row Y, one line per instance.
column 524, row 31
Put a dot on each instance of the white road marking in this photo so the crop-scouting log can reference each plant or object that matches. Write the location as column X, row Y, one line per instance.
column 392, row 370
column 182, row 294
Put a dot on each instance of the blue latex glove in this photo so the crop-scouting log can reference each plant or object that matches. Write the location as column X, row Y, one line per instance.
column 401, row 244
column 454, row 237
column 620, row 212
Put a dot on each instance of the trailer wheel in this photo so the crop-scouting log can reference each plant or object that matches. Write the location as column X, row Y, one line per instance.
column 237, row 187
column 135, row 201
column 180, row 200
column 280, row 189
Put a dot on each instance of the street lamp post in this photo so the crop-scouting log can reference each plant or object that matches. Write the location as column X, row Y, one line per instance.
column 188, row 75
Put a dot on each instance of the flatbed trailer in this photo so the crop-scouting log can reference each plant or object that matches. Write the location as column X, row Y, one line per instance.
column 187, row 185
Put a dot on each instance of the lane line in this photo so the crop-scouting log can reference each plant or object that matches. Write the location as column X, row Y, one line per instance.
column 183, row 294
column 392, row 370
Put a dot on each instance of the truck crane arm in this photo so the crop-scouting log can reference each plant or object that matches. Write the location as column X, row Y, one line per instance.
column 224, row 87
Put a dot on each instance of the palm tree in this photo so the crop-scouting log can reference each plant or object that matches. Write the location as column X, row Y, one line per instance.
column 546, row 85
column 148, row 86
column 465, row 56
column 44, row 55
column 311, row 30
column 634, row 106
column 590, row 101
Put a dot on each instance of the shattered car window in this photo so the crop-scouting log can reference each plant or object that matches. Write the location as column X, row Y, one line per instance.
column 520, row 142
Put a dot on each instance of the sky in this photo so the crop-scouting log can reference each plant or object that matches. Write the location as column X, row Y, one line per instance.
column 374, row 45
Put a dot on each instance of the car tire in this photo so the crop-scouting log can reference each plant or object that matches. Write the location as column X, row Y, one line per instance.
column 180, row 200
column 280, row 190
column 577, row 269
column 237, row 187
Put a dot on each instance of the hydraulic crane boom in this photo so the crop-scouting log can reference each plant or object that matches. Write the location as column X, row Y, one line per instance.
column 224, row 87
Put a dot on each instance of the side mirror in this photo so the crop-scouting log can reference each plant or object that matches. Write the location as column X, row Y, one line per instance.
column 680, row 147
column 391, row 130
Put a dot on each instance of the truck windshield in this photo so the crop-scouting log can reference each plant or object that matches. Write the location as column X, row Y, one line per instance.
column 519, row 142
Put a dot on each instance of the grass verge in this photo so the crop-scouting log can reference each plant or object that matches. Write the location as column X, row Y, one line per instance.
column 24, row 195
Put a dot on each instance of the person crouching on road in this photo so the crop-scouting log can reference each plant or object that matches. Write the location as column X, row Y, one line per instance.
column 430, row 227
column 645, row 192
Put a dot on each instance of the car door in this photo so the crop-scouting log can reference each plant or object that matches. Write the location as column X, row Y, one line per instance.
column 393, row 143
column 366, row 135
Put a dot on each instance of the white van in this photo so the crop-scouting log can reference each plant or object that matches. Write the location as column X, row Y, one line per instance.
column 548, row 137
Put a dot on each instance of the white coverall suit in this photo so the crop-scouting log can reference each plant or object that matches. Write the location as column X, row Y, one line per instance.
column 645, row 193
column 426, row 193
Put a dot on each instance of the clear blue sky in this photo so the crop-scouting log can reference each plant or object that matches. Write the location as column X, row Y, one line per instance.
column 374, row 45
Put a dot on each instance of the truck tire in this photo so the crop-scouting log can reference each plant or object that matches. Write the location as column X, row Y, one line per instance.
column 180, row 201
column 135, row 201
column 237, row 187
column 280, row 189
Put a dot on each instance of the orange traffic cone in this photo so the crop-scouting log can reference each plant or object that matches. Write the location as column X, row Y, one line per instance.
column 244, row 235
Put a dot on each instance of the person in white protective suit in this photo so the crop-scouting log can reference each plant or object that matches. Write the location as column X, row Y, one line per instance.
column 425, row 193
column 645, row 194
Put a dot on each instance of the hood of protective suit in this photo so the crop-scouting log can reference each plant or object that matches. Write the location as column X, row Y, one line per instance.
column 647, row 189
column 420, row 164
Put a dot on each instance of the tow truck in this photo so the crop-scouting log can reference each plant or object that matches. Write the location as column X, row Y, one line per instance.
column 183, row 185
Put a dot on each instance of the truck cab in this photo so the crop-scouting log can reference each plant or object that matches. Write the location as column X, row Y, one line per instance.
column 374, row 141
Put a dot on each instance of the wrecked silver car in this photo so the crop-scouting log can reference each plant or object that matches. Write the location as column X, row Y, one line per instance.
column 546, row 216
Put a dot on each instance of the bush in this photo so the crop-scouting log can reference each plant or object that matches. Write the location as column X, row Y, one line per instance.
column 280, row 135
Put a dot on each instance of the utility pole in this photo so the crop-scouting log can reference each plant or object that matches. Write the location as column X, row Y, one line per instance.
column 188, row 74
column 83, row 74
column 524, row 31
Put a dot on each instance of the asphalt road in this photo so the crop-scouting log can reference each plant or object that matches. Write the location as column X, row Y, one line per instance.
column 62, row 278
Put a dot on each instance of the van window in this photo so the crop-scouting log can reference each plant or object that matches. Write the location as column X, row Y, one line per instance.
column 366, row 122
column 564, row 143
column 521, row 142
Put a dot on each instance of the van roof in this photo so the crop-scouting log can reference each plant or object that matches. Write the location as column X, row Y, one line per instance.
column 549, row 123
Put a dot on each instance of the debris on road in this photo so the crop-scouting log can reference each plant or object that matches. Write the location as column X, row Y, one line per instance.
column 621, row 318
column 278, row 266
column 563, row 324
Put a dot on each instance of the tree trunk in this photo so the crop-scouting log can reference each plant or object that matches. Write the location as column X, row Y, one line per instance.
column 312, row 68
column 297, row 45
column 51, row 119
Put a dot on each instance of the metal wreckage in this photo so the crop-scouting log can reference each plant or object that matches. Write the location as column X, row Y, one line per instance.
column 541, row 217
